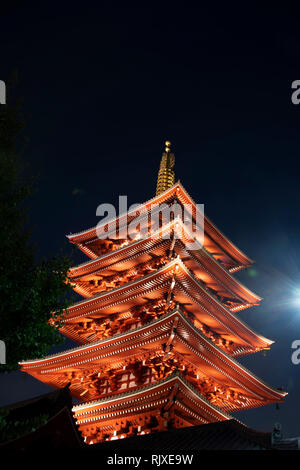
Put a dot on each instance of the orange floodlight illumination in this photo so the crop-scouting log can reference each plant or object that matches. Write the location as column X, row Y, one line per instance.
column 157, row 329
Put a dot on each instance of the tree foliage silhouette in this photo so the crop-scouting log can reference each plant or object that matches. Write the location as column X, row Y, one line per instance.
column 31, row 289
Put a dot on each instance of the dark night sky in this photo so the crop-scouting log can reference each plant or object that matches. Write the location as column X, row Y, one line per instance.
column 103, row 88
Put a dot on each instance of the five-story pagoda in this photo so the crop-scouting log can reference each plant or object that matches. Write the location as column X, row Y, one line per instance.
column 157, row 328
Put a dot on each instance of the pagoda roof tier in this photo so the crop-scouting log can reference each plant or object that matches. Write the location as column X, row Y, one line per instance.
column 173, row 236
column 214, row 240
column 186, row 290
column 191, row 348
column 190, row 406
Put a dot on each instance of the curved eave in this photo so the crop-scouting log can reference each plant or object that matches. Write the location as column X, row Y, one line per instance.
column 149, row 392
column 220, row 237
column 87, row 234
column 147, row 244
column 178, row 191
column 226, row 318
column 148, row 333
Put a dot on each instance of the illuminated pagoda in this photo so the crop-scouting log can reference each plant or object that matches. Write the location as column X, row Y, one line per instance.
column 157, row 328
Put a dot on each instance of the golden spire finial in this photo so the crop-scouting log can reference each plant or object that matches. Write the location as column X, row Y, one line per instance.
column 166, row 175
column 168, row 146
